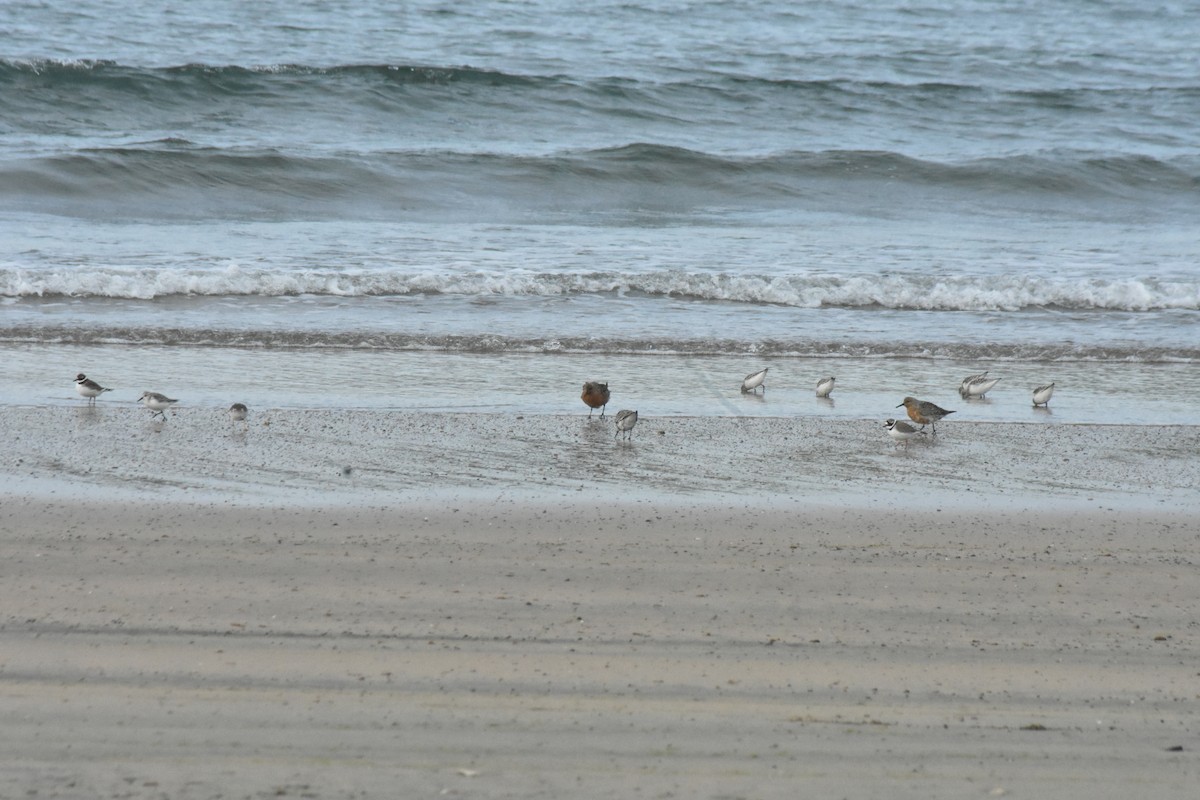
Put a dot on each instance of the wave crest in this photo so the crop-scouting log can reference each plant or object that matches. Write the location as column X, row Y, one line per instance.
column 172, row 178
column 901, row 291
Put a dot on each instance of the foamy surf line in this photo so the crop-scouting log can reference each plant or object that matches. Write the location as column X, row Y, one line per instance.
column 901, row 290
column 335, row 457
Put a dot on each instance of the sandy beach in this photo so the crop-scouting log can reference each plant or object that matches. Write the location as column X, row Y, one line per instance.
column 408, row 235
column 334, row 604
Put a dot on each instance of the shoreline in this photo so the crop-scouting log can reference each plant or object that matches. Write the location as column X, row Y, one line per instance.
column 662, row 385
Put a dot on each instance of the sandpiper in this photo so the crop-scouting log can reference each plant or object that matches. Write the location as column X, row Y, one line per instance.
column 977, row 386
column 902, row 432
column 238, row 412
column 89, row 388
column 755, row 380
column 824, row 387
column 157, row 403
column 595, row 395
column 626, row 419
column 962, row 387
column 1042, row 395
column 924, row 413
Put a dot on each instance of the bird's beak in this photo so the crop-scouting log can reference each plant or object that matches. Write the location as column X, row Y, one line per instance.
column 900, row 405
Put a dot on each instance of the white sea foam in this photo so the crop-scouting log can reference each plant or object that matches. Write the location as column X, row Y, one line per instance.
column 907, row 291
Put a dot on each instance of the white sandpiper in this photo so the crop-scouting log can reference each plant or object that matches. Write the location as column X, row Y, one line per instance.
column 238, row 412
column 962, row 387
column 977, row 387
column 755, row 380
column 626, row 419
column 157, row 403
column 1042, row 395
column 824, row 386
column 89, row 388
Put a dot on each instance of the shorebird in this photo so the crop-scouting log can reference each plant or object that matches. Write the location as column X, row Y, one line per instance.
column 626, row 419
column 755, row 380
column 824, row 387
column 238, row 412
column 977, row 386
column 962, row 387
column 595, row 395
column 1042, row 395
column 89, row 388
column 157, row 403
column 924, row 413
column 902, row 431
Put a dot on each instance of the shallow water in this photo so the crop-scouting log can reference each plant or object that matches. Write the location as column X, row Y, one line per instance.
column 655, row 385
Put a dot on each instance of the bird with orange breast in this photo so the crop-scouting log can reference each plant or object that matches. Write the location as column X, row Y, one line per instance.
column 924, row 413
column 595, row 395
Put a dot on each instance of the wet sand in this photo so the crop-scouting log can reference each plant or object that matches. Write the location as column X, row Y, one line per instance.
column 385, row 605
column 333, row 457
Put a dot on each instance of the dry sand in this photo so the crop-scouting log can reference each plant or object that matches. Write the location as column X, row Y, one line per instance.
column 503, row 607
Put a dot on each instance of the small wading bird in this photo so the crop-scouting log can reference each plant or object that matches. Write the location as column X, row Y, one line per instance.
column 626, row 419
column 824, row 387
column 962, row 387
column 902, row 432
column 924, row 413
column 238, row 413
column 595, row 395
column 977, row 386
column 89, row 388
column 157, row 403
column 755, row 380
column 1042, row 395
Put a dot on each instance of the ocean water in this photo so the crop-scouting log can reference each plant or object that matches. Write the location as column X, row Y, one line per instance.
column 478, row 206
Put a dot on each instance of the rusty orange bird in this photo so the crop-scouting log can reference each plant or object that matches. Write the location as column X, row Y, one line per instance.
column 924, row 413
column 595, row 395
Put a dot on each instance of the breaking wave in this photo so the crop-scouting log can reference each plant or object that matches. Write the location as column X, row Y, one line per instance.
column 905, row 291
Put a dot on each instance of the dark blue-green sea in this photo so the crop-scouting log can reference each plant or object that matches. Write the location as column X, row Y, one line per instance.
column 479, row 206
